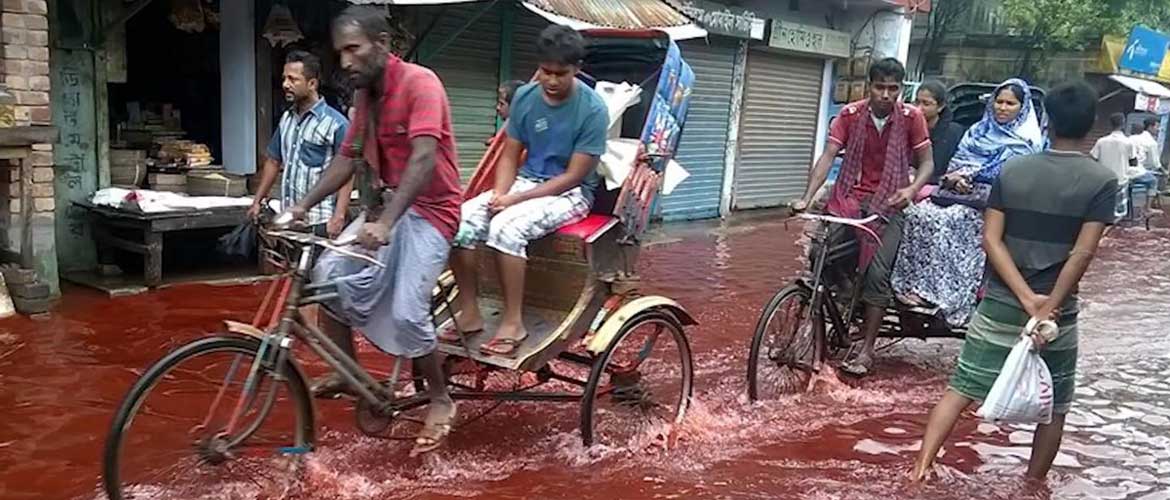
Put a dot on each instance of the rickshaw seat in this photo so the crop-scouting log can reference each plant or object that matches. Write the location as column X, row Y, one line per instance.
column 590, row 228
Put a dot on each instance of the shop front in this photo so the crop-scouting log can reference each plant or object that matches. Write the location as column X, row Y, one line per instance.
column 785, row 98
column 708, row 148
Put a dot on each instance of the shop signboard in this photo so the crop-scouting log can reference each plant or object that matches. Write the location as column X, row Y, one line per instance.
column 805, row 39
column 724, row 20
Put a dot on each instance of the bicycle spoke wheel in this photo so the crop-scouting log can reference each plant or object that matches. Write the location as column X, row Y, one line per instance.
column 640, row 387
column 203, row 423
column 783, row 347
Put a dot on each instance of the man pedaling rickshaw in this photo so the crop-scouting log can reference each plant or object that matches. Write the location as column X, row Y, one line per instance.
column 403, row 128
column 882, row 138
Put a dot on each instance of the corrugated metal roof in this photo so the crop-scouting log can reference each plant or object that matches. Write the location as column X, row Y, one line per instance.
column 582, row 14
column 629, row 14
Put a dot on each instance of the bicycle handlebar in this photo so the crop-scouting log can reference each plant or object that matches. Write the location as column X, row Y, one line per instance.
column 338, row 245
column 861, row 224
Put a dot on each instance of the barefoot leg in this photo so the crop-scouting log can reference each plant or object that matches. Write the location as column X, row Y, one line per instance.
column 942, row 421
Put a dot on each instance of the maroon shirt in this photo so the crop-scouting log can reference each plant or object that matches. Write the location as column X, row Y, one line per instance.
column 874, row 159
column 413, row 104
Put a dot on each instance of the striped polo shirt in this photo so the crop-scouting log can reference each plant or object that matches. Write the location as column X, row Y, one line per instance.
column 413, row 104
column 304, row 145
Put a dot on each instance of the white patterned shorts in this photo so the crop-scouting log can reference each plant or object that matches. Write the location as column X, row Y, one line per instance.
column 510, row 230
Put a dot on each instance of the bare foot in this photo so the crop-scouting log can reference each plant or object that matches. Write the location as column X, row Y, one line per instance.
column 919, row 474
column 469, row 320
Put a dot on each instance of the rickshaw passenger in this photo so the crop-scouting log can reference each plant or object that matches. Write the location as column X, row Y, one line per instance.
column 941, row 261
column 881, row 138
column 562, row 124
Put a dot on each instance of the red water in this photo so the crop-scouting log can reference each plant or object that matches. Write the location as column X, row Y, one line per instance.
column 61, row 378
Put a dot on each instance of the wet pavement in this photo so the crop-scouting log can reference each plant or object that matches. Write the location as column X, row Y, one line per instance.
column 61, row 379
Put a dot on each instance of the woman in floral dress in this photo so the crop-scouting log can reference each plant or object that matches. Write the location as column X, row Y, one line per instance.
column 940, row 261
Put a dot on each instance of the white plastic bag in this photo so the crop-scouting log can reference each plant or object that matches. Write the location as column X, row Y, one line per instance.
column 1022, row 393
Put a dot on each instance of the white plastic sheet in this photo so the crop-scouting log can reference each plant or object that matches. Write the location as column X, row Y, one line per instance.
column 162, row 201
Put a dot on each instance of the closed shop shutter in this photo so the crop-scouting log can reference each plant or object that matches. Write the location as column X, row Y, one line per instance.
column 469, row 66
column 526, row 30
column 702, row 147
column 781, row 106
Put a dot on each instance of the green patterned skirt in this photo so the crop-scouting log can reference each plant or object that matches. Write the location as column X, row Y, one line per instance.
column 993, row 332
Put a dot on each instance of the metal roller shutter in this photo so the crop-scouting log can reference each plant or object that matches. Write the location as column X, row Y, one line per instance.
column 781, row 106
column 702, row 147
column 469, row 66
column 526, row 30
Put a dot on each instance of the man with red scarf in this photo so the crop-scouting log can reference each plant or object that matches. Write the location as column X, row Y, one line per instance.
column 881, row 138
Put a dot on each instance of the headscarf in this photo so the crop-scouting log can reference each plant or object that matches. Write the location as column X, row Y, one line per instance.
column 988, row 144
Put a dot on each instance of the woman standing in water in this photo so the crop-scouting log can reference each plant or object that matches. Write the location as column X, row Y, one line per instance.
column 1040, row 241
column 940, row 262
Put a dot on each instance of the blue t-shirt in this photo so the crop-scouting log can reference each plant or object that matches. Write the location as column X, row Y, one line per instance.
column 552, row 134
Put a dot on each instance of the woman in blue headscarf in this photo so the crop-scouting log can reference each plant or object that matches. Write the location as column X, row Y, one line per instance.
column 940, row 261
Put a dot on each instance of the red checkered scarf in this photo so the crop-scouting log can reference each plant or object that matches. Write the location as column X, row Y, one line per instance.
column 895, row 173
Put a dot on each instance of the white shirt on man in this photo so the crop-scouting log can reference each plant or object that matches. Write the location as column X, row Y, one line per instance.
column 1149, row 154
column 1114, row 151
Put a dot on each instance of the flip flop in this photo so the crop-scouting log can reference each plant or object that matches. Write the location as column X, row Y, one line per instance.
column 454, row 336
column 506, row 347
column 859, row 366
column 434, row 433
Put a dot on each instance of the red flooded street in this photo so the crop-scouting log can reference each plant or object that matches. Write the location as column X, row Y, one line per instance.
column 63, row 377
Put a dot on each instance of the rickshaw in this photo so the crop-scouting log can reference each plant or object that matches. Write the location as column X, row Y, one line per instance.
column 813, row 320
column 595, row 339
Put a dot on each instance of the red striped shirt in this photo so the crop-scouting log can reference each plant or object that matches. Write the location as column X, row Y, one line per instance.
column 413, row 104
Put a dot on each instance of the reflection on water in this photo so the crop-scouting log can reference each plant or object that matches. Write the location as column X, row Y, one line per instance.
column 853, row 440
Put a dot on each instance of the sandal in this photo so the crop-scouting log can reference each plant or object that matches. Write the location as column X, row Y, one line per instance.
column 506, row 347
column 858, row 366
column 434, row 432
column 454, row 336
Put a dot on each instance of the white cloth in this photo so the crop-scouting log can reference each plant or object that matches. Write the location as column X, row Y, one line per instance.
column 1149, row 154
column 148, row 201
column 1114, row 151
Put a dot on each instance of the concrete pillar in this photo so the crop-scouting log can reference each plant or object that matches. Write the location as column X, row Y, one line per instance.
column 237, row 75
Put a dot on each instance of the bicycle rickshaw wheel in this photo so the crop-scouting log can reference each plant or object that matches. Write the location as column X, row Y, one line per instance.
column 780, row 361
column 169, row 439
column 640, row 387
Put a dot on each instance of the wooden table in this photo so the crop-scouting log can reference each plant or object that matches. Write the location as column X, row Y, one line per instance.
column 153, row 226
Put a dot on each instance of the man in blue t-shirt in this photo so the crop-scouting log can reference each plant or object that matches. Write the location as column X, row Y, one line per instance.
column 562, row 124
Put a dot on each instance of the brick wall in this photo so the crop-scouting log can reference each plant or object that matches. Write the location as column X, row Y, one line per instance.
column 24, row 68
column 25, row 28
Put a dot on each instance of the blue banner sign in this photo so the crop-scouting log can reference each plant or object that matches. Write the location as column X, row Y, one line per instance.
column 1144, row 51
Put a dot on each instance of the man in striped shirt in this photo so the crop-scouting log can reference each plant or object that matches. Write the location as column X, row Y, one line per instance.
column 309, row 135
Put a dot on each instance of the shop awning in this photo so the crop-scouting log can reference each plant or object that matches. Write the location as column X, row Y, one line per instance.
column 589, row 14
column 1152, row 89
column 622, row 14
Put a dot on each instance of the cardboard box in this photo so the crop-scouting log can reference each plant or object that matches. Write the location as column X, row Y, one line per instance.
column 857, row 90
column 859, row 67
column 841, row 91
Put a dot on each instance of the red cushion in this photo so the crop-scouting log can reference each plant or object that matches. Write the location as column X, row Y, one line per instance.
column 588, row 228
